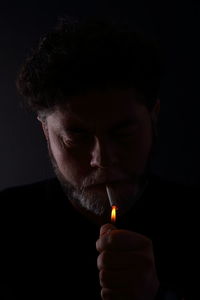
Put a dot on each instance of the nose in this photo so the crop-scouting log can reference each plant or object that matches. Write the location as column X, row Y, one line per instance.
column 103, row 154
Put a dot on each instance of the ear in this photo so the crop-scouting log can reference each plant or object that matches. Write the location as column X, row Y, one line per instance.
column 44, row 127
column 155, row 111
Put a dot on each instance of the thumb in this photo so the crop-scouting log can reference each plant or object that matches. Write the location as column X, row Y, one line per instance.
column 106, row 229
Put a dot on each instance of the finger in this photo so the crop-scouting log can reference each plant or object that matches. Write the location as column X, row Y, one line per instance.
column 116, row 294
column 138, row 290
column 119, row 279
column 106, row 228
column 122, row 240
column 125, row 260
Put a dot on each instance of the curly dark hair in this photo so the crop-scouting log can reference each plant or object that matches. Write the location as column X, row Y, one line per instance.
column 84, row 54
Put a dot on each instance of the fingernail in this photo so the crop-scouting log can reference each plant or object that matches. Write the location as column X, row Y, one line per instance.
column 106, row 229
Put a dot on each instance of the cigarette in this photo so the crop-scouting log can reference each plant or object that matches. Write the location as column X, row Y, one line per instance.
column 112, row 204
column 110, row 196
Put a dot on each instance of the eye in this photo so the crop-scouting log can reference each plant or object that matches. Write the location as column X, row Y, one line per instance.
column 130, row 130
column 77, row 134
column 76, row 137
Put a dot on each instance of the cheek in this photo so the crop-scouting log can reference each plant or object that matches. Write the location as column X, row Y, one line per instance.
column 137, row 152
column 69, row 161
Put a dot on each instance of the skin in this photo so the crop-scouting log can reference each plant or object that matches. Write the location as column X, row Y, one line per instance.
column 102, row 150
column 126, row 265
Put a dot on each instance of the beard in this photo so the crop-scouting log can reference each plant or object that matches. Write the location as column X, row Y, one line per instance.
column 94, row 200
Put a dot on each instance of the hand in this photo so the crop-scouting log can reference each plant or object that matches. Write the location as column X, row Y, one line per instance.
column 126, row 265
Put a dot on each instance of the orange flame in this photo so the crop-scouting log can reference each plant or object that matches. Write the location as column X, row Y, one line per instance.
column 113, row 214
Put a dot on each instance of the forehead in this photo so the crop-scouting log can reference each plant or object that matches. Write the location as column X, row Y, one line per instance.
column 100, row 109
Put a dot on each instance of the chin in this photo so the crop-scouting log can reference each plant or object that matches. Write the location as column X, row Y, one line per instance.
column 95, row 198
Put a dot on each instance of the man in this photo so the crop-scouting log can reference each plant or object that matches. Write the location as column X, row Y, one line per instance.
column 94, row 86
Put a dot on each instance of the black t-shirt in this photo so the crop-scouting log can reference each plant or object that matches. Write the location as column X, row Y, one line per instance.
column 48, row 248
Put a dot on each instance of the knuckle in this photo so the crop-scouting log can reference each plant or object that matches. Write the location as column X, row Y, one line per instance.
column 111, row 239
column 104, row 242
column 97, row 245
column 106, row 294
column 105, row 257
column 102, row 278
column 102, row 260
column 99, row 262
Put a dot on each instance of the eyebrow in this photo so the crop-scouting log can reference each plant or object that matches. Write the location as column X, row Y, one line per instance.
column 122, row 124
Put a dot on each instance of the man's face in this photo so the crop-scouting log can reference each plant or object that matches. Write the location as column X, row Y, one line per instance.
column 99, row 139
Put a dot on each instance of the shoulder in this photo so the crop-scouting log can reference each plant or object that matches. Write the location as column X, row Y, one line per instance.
column 174, row 200
column 176, row 227
column 175, row 206
column 15, row 197
column 176, row 191
column 169, row 184
column 27, row 208
column 28, row 188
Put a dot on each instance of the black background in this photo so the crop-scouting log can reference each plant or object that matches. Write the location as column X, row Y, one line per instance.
column 24, row 156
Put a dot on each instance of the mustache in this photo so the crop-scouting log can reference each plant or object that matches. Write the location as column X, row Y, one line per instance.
column 102, row 178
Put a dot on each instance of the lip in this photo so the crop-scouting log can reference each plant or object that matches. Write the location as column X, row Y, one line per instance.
column 105, row 183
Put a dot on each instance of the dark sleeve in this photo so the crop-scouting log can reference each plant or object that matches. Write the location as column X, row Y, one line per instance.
column 167, row 294
column 6, row 288
column 6, row 292
column 179, row 270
